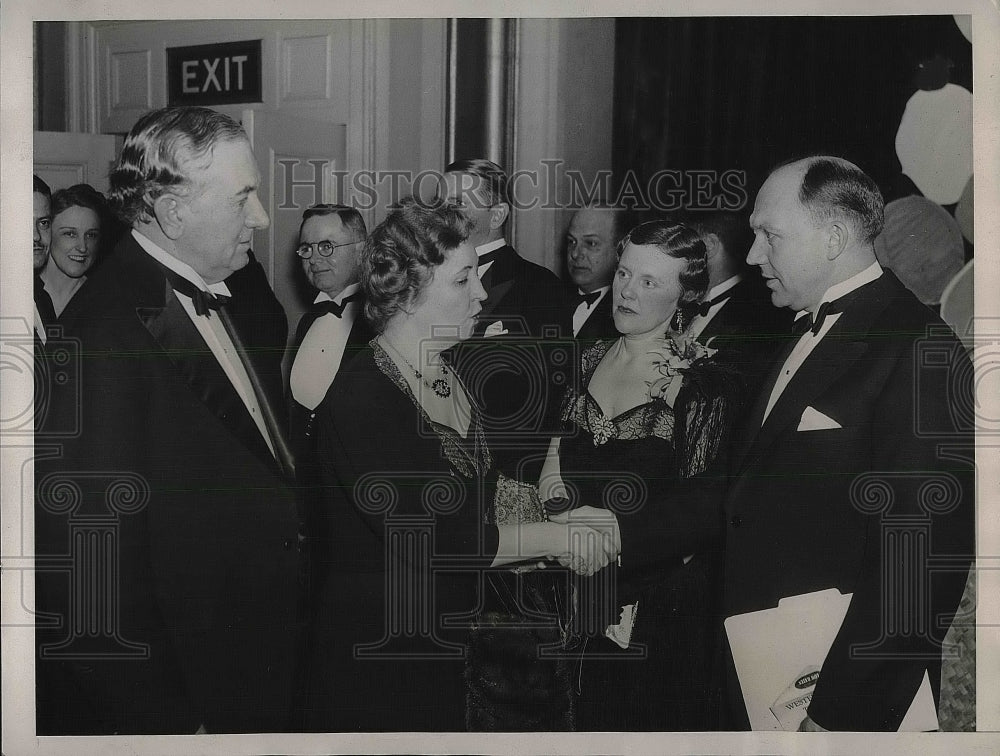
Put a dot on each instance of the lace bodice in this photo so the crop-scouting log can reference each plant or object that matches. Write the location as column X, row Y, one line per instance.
column 694, row 427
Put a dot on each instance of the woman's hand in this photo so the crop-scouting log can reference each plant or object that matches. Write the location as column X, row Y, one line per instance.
column 584, row 540
column 592, row 537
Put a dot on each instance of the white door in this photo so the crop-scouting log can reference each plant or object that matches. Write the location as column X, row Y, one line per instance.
column 298, row 156
column 63, row 159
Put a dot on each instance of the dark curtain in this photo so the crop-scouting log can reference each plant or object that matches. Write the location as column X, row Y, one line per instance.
column 746, row 93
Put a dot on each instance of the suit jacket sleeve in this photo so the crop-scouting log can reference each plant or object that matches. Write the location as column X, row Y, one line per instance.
column 901, row 605
column 690, row 516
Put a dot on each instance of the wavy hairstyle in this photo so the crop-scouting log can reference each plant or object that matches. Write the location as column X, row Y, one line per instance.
column 402, row 252
column 680, row 242
column 159, row 153
column 80, row 195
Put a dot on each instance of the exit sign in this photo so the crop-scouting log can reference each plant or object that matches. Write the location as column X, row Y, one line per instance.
column 219, row 74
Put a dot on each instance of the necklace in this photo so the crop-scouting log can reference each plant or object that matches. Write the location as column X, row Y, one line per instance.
column 440, row 386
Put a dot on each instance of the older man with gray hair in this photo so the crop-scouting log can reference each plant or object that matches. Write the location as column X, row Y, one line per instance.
column 179, row 468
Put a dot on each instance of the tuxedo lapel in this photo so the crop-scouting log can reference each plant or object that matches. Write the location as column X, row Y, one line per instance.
column 827, row 363
column 497, row 281
column 600, row 323
column 720, row 323
column 172, row 329
column 840, row 349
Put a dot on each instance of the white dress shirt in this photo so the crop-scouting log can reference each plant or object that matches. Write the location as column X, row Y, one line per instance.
column 584, row 309
column 211, row 329
column 809, row 341
column 322, row 349
column 700, row 322
column 489, row 247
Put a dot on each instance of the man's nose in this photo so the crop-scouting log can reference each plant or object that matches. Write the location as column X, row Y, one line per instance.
column 756, row 254
column 256, row 214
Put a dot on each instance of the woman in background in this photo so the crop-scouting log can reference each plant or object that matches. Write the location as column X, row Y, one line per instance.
column 77, row 216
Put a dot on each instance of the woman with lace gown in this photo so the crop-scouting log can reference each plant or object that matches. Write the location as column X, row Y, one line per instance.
column 417, row 513
column 639, row 439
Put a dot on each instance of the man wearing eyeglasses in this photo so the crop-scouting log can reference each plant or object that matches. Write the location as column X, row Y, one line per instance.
column 330, row 241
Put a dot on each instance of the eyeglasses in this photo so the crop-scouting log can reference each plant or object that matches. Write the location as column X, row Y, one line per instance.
column 325, row 248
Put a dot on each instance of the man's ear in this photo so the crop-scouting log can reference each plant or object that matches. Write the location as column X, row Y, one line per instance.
column 838, row 235
column 713, row 245
column 498, row 215
column 169, row 215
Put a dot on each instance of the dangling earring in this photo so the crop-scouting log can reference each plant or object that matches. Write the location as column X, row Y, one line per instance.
column 677, row 322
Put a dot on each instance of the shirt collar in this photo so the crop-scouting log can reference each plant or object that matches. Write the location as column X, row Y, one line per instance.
column 724, row 286
column 601, row 290
column 345, row 292
column 835, row 292
column 179, row 267
column 490, row 246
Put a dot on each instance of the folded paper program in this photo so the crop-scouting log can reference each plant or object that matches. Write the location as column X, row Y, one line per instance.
column 773, row 649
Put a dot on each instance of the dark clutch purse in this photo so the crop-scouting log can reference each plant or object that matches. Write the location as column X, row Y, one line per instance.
column 520, row 667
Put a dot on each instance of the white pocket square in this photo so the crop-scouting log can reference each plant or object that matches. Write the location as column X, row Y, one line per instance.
column 812, row 420
column 495, row 329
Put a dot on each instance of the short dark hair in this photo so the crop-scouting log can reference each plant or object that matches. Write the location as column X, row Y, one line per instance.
column 730, row 226
column 350, row 217
column 79, row 195
column 41, row 187
column 680, row 242
column 402, row 252
column 832, row 186
column 158, row 154
column 495, row 182
column 621, row 219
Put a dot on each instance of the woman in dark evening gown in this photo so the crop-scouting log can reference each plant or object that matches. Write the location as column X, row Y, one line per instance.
column 417, row 514
column 639, row 439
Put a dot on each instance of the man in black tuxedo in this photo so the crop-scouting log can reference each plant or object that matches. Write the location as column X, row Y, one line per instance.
column 736, row 315
column 853, row 469
column 330, row 242
column 513, row 363
column 591, row 258
column 179, row 502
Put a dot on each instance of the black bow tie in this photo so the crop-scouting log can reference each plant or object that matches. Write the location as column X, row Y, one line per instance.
column 334, row 308
column 580, row 297
column 708, row 304
column 203, row 301
column 814, row 324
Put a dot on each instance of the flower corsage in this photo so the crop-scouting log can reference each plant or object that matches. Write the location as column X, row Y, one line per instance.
column 672, row 359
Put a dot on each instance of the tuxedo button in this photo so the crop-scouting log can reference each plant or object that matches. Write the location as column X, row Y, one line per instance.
column 736, row 521
column 287, row 543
